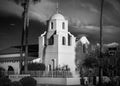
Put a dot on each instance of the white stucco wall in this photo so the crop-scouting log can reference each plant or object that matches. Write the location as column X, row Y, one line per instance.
column 67, row 55
column 62, row 54
column 15, row 65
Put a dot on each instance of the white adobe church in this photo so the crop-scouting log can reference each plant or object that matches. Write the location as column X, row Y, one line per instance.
column 57, row 45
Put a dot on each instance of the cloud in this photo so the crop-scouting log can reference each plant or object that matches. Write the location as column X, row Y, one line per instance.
column 39, row 11
column 90, row 7
column 74, row 21
column 38, row 17
column 45, row 9
column 10, row 8
column 115, row 4
column 83, row 15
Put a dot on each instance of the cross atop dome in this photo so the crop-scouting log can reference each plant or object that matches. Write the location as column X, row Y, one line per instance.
column 57, row 15
column 57, row 9
column 57, row 6
column 58, row 22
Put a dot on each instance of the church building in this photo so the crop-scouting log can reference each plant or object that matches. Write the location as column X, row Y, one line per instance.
column 57, row 45
column 56, row 48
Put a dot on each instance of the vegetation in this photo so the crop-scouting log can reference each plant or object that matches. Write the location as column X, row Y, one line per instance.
column 2, row 72
column 36, row 66
column 16, row 83
column 110, row 65
column 28, row 81
column 110, row 62
column 21, row 1
column 5, row 81
column 79, row 56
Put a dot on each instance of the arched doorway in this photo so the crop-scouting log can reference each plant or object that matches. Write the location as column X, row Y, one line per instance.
column 10, row 70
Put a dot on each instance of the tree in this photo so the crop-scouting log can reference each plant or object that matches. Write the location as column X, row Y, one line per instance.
column 111, row 62
column 2, row 72
column 5, row 81
column 28, row 81
column 24, row 39
column 36, row 66
column 80, row 55
column 16, row 83
column 90, row 63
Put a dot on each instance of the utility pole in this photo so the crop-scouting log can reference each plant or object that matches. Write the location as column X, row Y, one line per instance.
column 101, row 42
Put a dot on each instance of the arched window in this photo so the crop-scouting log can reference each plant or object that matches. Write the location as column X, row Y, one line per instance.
column 51, row 40
column 69, row 40
column 63, row 25
column 10, row 70
column 49, row 67
column 84, row 48
column 51, row 25
column 63, row 40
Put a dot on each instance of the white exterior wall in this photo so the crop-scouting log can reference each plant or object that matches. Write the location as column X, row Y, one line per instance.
column 58, row 25
column 62, row 54
column 52, row 52
column 41, row 46
column 15, row 65
column 67, row 54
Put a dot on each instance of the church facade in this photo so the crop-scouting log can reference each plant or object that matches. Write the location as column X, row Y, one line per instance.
column 57, row 45
column 56, row 48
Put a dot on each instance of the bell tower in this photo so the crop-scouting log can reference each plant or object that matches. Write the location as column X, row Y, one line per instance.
column 58, row 23
column 57, row 45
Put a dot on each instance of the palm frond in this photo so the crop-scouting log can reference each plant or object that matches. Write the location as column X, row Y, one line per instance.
column 23, row 1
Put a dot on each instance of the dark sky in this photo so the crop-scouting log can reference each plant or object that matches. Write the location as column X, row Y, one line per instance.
column 83, row 16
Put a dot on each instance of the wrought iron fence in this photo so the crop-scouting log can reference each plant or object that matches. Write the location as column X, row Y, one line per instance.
column 54, row 74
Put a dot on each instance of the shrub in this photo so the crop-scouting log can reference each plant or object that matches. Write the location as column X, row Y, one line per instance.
column 16, row 83
column 28, row 81
column 36, row 66
column 2, row 72
column 5, row 81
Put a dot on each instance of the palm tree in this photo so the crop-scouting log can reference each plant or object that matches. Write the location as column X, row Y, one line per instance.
column 24, row 39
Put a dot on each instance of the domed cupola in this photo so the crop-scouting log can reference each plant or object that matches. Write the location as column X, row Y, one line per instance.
column 58, row 22
column 58, row 16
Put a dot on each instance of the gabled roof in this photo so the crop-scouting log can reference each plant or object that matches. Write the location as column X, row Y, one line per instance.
column 83, row 40
column 5, row 55
column 16, row 49
column 9, row 50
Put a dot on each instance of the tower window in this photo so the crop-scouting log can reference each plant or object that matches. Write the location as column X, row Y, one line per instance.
column 49, row 67
column 63, row 40
column 51, row 25
column 63, row 25
column 84, row 48
column 51, row 40
column 69, row 40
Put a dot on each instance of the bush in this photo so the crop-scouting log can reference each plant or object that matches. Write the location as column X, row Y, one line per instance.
column 5, row 81
column 16, row 83
column 2, row 72
column 36, row 66
column 28, row 81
